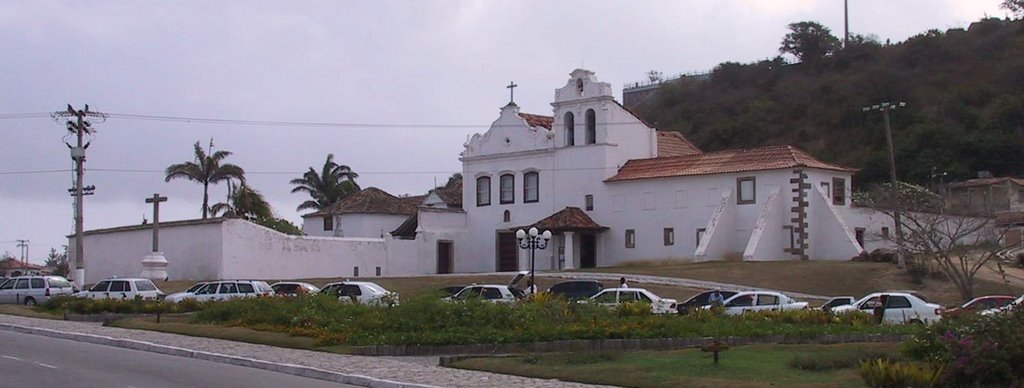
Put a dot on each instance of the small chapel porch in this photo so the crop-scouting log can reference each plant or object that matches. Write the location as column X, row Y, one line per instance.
column 574, row 241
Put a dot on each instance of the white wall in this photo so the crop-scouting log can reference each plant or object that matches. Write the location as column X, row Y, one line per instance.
column 367, row 225
column 314, row 226
column 192, row 251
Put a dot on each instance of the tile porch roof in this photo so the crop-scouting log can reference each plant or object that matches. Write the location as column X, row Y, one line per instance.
column 537, row 120
column 986, row 182
column 407, row 230
column 568, row 219
column 12, row 263
column 371, row 200
column 722, row 162
column 672, row 143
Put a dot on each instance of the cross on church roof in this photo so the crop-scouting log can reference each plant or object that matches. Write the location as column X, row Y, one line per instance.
column 511, row 92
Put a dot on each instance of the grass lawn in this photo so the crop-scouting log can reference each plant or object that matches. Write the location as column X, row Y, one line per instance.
column 830, row 278
column 26, row 311
column 179, row 324
column 748, row 366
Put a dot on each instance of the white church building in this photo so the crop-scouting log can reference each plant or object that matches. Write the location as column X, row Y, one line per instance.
column 611, row 188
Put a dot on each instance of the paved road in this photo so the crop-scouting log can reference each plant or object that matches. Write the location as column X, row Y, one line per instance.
column 35, row 361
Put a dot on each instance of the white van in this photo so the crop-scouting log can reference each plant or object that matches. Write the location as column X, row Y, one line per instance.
column 31, row 290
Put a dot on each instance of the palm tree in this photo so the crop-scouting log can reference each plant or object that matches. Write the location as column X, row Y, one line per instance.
column 244, row 202
column 332, row 184
column 207, row 170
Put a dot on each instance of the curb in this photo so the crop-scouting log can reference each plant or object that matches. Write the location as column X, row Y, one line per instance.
column 291, row 369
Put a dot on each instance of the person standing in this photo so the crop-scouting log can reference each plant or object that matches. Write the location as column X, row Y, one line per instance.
column 531, row 289
column 622, row 283
column 716, row 298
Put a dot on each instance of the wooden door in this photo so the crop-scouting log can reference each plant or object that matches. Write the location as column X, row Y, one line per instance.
column 508, row 252
column 588, row 250
column 444, row 257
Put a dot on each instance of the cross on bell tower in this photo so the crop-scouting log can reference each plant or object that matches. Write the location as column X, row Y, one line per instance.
column 511, row 92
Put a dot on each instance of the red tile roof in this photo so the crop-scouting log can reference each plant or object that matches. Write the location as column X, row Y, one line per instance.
column 371, row 200
column 730, row 161
column 10, row 263
column 570, row 218
column 986, row 182
column 672, row 143
column 451, row 194
column 537, row 120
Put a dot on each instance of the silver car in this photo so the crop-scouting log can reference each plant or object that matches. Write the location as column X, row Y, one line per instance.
column 32, row 290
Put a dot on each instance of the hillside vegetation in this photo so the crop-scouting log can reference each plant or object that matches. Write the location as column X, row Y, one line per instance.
column 964, row 91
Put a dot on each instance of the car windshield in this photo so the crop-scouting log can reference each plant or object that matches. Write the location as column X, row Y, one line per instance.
column 59, row 282
column 145, row 285
column 375, row 288
column 516, row 292
column 101, row 286
column 195, row 287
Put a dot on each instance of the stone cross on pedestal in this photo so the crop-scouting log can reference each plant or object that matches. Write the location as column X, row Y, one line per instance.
column 154, row 265
column 511, row 92
column 156, row 219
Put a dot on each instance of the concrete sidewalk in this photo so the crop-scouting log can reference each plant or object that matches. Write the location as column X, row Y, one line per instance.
column 348, row 369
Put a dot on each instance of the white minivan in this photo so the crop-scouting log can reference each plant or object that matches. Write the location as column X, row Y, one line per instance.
column 31, row 290
column 122, row 288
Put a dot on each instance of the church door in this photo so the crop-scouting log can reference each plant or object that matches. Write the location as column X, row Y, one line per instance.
column 588, row 250
column 444, row 257
column 508, row 252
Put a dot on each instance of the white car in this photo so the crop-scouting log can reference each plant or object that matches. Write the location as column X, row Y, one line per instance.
column 224, row 290
column 361, row 292
column 615, row 296
column 896, row 307
column 494, row 293
column 31, row 290
column 178, row 296
column 1009, row 307
column 760, row 301
column 294, row 288
column 122, row 288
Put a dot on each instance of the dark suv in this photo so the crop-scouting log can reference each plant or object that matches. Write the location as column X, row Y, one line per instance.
column 576, row 289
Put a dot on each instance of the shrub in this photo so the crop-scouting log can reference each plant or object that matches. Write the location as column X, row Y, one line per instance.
column 886, row 374
column 633, row 309
column 77, row 305
column 984, row 350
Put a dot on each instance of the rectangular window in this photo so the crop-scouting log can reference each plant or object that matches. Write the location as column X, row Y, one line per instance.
column 328, row 222
column 378, row 271
column 588, row 202
column 827, row 187
column 885, row 232
column 746, row 190
column 669, row 237
column 355, row 271
column 700, row 235
column 838, row 191
column 531, row 186
column 483, row 191
column 508, row 187
column 787, row 232
column 630, row 238
column 859, row 235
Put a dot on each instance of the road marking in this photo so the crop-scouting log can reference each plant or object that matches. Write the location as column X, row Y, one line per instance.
column 12, row 358
column 45, row 365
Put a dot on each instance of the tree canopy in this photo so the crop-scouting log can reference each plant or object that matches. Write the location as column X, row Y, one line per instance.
column 809, row 41
column 206, row 170
column 333, row 183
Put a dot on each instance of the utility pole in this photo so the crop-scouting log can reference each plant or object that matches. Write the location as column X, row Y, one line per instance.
column 846, row 22
column 80, row 127
column 885, row 107
column 23, row 244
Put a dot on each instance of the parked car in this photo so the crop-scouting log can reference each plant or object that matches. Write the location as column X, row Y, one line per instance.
column 836, row 302
column 178, row 296
column 614, row 296
column 979, row 304
column 700, row 300
column 1008, row 307
column 32, row 290
column 576, row 289
column 122, row 288
column 221, row 290
column 896, row 307
column 494, row 293
column 760, row 301
column 450, row 290
column 294, row 288
column 361, row 292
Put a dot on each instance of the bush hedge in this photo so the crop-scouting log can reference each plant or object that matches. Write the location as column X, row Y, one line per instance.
column 976, row 350
column 76, row 305
column 430, row 321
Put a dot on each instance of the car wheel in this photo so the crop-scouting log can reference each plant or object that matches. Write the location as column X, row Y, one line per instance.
column 30, row 301
column 916, row 322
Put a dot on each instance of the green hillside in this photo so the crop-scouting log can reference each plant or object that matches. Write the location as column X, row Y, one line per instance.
column 964, row 91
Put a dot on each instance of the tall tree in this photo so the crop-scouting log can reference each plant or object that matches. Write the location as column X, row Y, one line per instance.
column 58, row 261
column 244, row 202
column 206, row 170
column 332, row 184
column 809, row 41
column 1015, row 6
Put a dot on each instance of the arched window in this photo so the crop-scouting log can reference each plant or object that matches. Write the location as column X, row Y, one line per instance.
column 579, row 86
column 570, row 129
column 483, row 191
column 507, row 185
column 507, row 217
column 591, row 136
column 531, row 184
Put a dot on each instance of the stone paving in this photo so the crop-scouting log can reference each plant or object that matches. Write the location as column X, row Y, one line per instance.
column 356, row 370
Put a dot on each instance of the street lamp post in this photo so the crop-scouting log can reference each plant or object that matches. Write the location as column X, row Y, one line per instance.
column 533, row 240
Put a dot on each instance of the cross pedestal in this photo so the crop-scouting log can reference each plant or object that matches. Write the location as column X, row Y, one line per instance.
column 154, row 265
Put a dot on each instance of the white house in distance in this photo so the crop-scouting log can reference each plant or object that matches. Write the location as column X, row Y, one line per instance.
column 611, row 188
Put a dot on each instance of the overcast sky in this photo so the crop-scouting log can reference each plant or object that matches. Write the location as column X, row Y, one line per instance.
column 373, row 62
